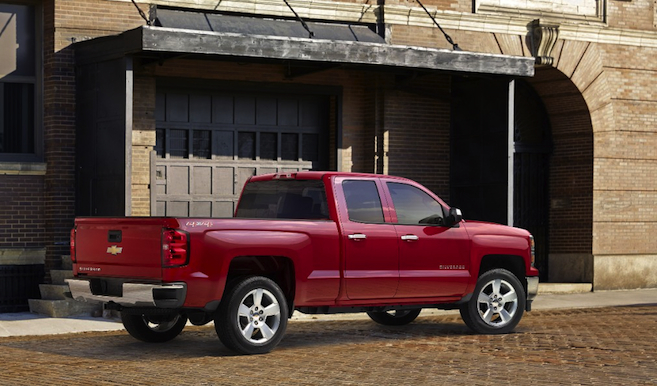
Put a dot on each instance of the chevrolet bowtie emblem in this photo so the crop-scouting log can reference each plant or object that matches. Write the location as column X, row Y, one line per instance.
column 114, row 250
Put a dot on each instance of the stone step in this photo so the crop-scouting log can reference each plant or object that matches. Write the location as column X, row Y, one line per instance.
column 59, row 276
column 54, row 291
column 67, row 263
column 64, row 308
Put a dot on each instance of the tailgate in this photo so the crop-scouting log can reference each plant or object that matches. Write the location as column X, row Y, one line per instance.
column 120, row 247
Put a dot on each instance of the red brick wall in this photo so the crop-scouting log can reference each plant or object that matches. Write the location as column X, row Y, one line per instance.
column 22, row 220
column 417, row 118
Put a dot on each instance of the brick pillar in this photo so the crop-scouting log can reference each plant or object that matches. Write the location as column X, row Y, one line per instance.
column 59, row 138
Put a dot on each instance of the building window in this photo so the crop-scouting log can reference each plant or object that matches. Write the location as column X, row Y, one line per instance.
column 19, row 74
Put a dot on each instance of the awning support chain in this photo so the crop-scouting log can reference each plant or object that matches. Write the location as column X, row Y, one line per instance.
column 141, row 13
column 455, row 46
column 311, row 34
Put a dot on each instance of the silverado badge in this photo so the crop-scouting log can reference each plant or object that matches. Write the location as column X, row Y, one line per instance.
column 114, row 250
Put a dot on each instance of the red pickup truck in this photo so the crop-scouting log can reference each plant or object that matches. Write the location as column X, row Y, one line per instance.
column 315, row 242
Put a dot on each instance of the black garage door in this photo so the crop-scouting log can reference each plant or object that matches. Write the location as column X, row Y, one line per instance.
column 209, row 143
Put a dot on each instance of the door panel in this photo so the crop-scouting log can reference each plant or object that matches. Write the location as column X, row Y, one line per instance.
column 436, row 264
column 433, row 259
column 371, row 257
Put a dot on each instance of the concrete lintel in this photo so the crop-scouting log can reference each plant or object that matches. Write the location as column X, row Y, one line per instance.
column 181, row 41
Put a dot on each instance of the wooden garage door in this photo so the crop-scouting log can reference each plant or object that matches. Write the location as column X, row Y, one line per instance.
column 208, row 144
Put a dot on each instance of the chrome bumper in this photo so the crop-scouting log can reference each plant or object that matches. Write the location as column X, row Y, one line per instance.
column 133, row 294
column 532, row 287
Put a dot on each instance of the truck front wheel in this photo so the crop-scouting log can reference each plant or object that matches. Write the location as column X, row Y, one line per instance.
column 155, row 328
column 497, row 303
column 253, row 316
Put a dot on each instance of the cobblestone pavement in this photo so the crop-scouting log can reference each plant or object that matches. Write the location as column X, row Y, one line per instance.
column 586, row 346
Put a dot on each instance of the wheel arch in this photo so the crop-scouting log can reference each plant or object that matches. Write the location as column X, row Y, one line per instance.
column 512, row 263
column 279, row 269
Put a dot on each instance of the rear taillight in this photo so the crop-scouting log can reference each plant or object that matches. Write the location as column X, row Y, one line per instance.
column 72, row 244
column 175, row 248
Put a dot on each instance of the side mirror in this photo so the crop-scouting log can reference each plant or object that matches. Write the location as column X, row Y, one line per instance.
column 455, row 217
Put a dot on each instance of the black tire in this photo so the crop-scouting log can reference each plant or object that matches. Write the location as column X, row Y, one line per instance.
column 252, row 316
column 153, row 329
column 497, row 304
column 394, row 317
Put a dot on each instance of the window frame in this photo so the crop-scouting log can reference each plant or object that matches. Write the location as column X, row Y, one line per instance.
column 37, row 81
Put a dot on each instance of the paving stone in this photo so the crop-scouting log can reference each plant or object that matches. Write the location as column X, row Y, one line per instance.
column 604, row 346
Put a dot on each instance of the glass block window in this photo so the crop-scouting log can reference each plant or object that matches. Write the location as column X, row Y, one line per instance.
column 202, row 148
column 289, row 147
column 246, row 149
column 178, row 142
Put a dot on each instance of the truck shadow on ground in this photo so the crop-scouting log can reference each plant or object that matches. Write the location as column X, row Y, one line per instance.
column 203, row 342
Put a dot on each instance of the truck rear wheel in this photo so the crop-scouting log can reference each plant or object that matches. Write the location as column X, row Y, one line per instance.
column 497, row 303
column 394, row 317
column 253, row 316
column 155, row 328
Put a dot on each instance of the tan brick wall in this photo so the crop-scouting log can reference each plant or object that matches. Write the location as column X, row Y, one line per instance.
column 632, row 15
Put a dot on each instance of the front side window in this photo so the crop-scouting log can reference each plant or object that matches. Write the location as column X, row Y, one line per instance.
column 414, row 206
column 363, row 201
column 18, row 79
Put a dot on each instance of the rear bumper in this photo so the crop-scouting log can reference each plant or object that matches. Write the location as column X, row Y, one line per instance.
column 171, row 295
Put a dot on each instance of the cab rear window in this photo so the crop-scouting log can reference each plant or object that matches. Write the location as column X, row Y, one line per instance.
column 284, row 199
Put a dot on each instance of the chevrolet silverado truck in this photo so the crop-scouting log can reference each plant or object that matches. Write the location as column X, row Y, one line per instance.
column 315, row 242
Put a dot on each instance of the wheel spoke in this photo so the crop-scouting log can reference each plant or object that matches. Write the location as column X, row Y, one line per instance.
column 257, row 298
column 267, row 332
column 272, row 310
column 510, row 297
column 488, row 315
column 483, row 298
column 497, row 284
column 244, row 311
column 506, row 317
column 248, row 331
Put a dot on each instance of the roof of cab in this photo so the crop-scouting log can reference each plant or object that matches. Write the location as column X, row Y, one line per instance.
column 316, row 175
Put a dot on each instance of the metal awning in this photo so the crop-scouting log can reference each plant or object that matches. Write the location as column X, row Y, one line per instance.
column 333, row 45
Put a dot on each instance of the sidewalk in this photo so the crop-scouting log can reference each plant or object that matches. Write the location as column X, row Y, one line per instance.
column 25, row 323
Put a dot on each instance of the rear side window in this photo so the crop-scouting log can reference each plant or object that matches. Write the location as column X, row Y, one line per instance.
column 284, row 199
column 363, row 201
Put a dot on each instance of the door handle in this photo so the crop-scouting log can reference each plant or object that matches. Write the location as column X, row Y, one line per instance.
column 357, row 236
column 410, row 238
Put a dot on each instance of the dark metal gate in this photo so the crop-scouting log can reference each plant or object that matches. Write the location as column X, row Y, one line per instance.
column 479, row 181
column 210, row 143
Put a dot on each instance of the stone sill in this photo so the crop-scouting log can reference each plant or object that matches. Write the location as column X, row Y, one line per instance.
column 22, row 256
column 23, row 168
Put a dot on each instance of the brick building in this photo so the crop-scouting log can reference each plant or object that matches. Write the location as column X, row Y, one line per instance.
column 547, row 118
